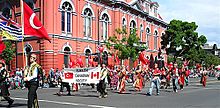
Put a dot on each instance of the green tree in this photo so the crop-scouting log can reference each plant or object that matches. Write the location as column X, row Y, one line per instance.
column 181, row 39
column 128, row 47
column 8, row 53
column 211, row 59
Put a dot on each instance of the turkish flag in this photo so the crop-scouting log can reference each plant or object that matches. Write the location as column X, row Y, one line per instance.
column 2, row 47
column 79, row 61
column 94, row 75
column 72, row 63
column 32, row 25
column 68, row 75
column 143, row 59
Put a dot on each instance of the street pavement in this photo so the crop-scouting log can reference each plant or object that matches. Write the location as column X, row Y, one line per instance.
column 193, row 96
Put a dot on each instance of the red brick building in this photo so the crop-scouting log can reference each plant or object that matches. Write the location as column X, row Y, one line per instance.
column 75, row 26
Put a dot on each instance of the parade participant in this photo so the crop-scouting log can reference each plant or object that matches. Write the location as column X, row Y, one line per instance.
column 187, row 76
column 123, row 79
column 4, row 84
column 102, row 83
column 155, row 80
column 31, row 78
column 63, row 84
column 114, row 79
column 175, row 77
column 163, row 78
column 118, row 74
column 182, row 77
column 138, row 82
column 204, row 77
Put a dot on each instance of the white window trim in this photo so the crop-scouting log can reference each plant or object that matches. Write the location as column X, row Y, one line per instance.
column 125, row 22
column 107, row 27
column 89, row 48
column 89, row 7
column 105, row 12
column 85, row 30
column 65, row 33
column 141, row 32
column 67, row 44
column 70, row 1
column 70, row 22
column 132, row 19
column 156, row 36
column 147, row 37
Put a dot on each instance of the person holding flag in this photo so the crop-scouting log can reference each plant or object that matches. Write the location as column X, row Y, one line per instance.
column 32, row 26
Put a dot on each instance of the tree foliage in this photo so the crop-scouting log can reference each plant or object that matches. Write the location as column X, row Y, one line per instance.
column 8, row 53
column 126, row 47
column 181, row 39
column 211, row 59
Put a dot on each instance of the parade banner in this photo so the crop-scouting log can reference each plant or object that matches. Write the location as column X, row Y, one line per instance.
column 81, row 75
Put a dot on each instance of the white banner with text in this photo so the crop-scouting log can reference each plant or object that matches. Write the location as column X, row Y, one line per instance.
column 81, row 75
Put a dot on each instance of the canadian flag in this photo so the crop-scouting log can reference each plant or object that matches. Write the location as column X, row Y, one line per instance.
column 94, row 75
column 32, row 25
column 68, row 75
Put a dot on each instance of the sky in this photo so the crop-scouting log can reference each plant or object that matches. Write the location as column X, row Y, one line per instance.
column 206, row 14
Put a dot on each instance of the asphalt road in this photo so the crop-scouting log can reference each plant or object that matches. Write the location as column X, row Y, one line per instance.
column 193, row 96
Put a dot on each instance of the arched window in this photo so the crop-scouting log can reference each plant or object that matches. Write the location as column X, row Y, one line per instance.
column 124, row 23
column 87, row 22
column 141, row 33
column 155, row 39
column 132, row 25
column 147, row 36
column 66, row 17
column 66, row 56
column 105, row 22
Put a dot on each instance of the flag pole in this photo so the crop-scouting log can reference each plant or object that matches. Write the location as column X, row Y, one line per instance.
column 22, row 22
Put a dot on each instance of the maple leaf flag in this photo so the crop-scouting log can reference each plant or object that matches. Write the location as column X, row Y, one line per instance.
column 94, row 75
column 68, row 75
column 32, row 25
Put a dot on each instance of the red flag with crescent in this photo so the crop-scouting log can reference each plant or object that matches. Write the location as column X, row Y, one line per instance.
column 32, row 25
column 143, row 58
column 68, row 75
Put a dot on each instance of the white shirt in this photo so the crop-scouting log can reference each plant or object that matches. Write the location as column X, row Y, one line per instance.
column 35, row 73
